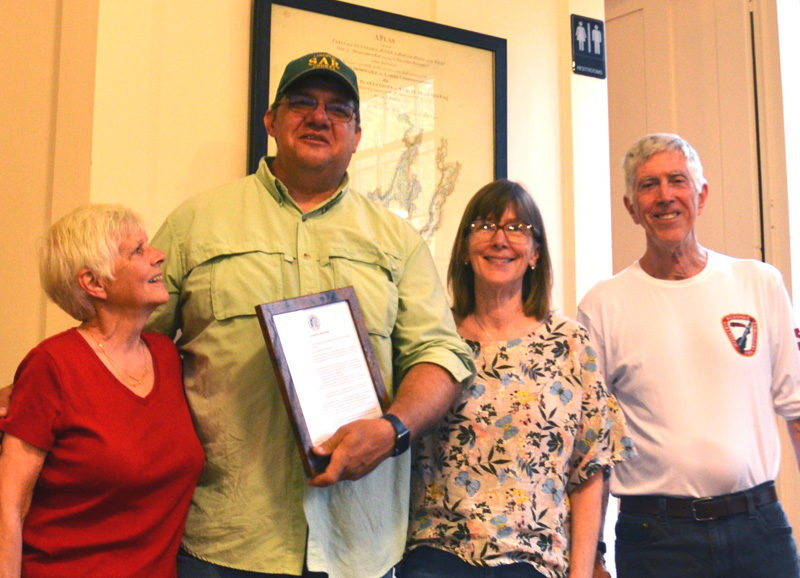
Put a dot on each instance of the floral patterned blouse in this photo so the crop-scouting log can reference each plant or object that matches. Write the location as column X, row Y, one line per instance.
column 492, row 483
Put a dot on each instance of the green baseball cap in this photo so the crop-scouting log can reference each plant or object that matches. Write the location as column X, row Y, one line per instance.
column 317, row 63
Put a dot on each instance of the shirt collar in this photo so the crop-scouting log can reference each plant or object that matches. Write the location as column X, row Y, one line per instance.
column 281, row 194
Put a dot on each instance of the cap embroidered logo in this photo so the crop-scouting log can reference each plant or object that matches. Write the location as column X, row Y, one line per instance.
column 324, row 61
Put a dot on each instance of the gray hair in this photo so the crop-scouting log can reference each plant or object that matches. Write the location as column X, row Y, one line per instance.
column 655, row 143
column 87, row 238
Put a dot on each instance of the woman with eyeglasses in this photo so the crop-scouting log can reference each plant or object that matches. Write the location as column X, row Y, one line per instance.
column 512, row 477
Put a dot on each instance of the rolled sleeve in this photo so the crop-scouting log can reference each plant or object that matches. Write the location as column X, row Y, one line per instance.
column 425, row 331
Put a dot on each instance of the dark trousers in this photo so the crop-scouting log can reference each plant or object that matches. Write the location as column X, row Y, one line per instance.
column 191, row 567
column 424, row 562
column 754, row 544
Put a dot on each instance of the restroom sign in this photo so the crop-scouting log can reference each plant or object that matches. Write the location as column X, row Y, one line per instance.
column 588, row 46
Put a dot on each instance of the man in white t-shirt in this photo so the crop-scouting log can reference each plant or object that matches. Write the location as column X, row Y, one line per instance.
column 701, row 351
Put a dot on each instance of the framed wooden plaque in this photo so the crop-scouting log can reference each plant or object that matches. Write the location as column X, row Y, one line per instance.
column 324, row 364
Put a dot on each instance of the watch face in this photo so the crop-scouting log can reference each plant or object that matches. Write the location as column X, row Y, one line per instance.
column 402, row 442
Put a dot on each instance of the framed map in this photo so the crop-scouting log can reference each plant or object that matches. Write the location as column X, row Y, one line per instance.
column 433, row 104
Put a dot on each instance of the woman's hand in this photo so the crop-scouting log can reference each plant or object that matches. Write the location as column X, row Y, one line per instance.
column 600, row 570
column 5, row 400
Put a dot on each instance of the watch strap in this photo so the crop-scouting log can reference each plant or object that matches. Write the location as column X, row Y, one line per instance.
column 402, row 438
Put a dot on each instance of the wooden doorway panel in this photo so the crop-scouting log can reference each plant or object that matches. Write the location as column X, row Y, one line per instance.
column 684, row 66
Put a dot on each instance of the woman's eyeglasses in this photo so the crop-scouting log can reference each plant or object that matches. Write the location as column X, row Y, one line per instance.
column 515, row 232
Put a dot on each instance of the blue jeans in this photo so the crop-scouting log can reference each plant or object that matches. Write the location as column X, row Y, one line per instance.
column 191, row 567
column 424, row 562
column 755, row 544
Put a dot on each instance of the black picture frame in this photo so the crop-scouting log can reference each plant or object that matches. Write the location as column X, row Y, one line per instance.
column 261, row 91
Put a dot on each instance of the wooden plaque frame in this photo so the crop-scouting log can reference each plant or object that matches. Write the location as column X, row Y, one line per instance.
column 287, row 380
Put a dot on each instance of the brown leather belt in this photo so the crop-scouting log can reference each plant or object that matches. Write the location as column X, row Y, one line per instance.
column 700, row 509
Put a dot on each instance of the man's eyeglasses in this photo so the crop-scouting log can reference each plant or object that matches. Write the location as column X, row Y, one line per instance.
column 339, row 112
column 515, row 232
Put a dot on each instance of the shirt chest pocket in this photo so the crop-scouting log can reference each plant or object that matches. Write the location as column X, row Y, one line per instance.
column 374, row 277
column 241, row 281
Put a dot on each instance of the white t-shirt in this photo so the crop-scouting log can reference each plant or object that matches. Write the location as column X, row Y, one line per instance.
column 698, row 366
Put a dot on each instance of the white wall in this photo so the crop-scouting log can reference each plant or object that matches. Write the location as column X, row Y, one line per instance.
column 171, row 99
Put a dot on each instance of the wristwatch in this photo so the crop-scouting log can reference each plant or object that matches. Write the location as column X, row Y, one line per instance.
column 402, row 436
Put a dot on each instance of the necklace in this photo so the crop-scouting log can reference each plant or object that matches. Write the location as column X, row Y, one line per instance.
column 489, row 336
column 136, row 381
column 530, row 327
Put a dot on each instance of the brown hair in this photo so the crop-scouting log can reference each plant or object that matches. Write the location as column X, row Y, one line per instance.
column 489, row 203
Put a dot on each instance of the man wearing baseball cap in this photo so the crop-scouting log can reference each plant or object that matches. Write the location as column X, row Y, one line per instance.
column 295, row 228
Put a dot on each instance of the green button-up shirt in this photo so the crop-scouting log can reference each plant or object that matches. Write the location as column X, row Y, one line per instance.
column 248, row 243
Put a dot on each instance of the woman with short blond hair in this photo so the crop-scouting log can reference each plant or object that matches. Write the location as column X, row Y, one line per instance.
column 99, row 457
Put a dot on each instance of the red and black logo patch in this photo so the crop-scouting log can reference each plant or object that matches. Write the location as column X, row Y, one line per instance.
column 742, row 332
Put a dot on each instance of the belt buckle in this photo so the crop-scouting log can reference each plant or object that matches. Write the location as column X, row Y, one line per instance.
column 695, row 515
